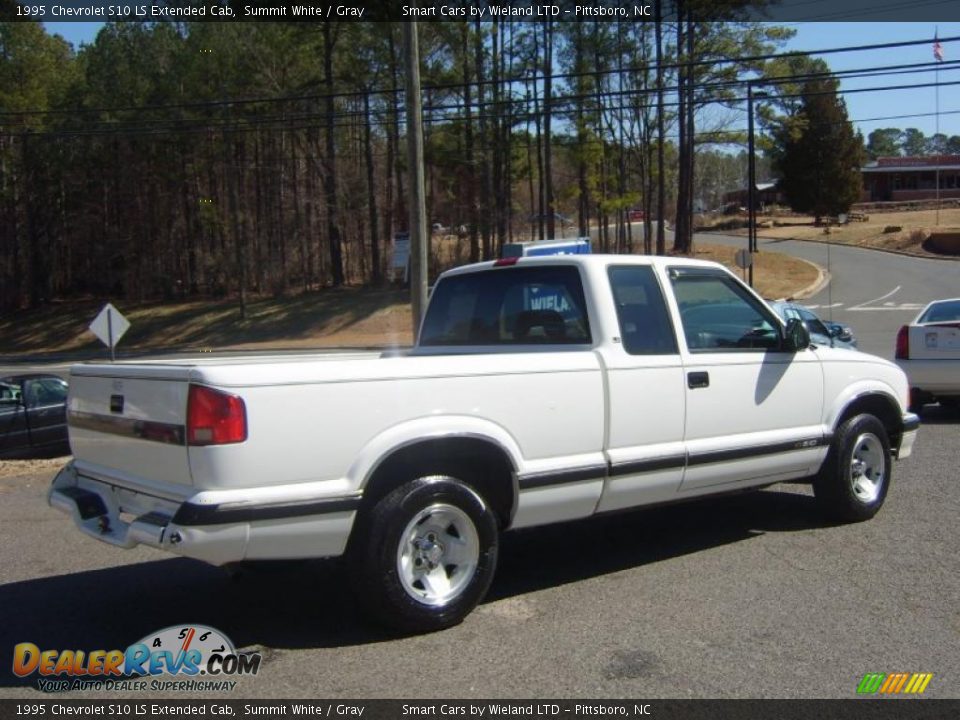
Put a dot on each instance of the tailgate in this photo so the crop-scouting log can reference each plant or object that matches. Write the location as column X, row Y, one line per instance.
column 935, row 341
column 128, row 423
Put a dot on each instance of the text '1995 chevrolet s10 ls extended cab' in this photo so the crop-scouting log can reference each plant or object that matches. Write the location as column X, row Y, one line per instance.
column 539, row 390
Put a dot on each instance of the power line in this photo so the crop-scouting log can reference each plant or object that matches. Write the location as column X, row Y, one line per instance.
column 438, row 110
column 451, row 86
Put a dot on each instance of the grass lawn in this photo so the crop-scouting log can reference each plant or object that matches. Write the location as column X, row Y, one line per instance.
column 878, row 232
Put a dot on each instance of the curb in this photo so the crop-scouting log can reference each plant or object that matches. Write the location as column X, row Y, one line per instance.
column 888, row 251
column 823, row 279
column 902, row 253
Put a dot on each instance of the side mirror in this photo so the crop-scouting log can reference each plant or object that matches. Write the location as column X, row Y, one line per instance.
column 839, row 331
column 796, row 337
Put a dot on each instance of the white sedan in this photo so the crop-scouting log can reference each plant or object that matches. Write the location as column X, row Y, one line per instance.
column 928, row 351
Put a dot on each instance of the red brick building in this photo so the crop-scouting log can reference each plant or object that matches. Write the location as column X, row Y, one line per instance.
column 911, row 178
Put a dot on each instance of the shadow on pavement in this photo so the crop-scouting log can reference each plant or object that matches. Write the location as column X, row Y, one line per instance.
column 308, row 604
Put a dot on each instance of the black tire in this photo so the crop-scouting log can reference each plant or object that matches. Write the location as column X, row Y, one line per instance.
column 856, row 475
column 431, row 534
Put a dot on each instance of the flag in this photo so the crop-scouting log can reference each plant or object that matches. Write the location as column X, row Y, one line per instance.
column 937, row 50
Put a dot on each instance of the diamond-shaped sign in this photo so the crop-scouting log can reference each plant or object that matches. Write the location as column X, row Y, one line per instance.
column 109, row 326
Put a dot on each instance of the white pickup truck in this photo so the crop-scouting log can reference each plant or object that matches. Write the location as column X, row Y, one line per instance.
column 540, row 390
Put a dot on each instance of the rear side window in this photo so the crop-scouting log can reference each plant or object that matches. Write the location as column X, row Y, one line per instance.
column 645, row 327
column 508, row 306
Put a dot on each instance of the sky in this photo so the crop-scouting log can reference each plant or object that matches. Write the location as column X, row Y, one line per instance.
column 861, row 107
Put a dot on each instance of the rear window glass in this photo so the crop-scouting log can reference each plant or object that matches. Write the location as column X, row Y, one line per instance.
column 508, row 306
column 942, row 312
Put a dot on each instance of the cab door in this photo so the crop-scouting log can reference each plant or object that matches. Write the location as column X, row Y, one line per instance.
column 753, row 409
column 13, row 421
column 645, row 449
column 45, row 399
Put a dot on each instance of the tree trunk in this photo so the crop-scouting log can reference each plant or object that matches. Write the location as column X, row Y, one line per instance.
column 661, row 140
column 372, row 193
column 547, row 125
column 334, row 242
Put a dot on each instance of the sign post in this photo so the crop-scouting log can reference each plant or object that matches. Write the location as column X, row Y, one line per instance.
column 744, row 260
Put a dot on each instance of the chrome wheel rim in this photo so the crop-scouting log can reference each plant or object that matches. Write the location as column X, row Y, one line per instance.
column 438, row 554
column 868, row 464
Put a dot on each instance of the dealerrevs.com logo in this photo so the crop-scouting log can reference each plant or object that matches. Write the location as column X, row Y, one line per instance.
column 180, row 657
column 894, row 683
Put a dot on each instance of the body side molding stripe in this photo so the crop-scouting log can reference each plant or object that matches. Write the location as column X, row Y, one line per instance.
column 670, row 462
column 707, row 458
column 635, row 467
column 560, row 477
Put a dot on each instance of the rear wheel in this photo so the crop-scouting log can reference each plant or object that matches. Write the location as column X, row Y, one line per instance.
column 853, row 482
column 425, row 554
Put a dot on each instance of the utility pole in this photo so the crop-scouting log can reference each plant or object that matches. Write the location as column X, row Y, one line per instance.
column 751, row 182
column 418, row 205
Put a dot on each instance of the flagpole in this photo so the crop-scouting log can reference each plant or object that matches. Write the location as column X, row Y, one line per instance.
column 938, row 57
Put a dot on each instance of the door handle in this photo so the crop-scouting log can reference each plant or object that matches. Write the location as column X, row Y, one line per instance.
column 698, row 380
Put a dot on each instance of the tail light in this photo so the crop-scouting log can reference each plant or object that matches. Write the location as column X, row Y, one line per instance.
column 903, row 343
column 214, row 417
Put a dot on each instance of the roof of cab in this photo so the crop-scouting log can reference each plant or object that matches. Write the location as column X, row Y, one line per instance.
column 584, row 260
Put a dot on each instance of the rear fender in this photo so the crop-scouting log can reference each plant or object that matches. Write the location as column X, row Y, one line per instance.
column 424, row 429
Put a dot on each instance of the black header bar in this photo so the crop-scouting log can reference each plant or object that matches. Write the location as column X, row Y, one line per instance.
column 781, row 11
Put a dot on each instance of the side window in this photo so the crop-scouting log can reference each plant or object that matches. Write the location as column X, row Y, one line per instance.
column 718, row 315
column 45, row 391
column 8, row 392
column 508, row 306
column 645, row 327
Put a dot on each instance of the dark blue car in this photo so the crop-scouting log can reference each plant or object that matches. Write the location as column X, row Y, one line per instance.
column 33, row 416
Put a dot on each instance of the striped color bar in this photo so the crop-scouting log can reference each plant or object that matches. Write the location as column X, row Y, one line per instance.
column 894, row 683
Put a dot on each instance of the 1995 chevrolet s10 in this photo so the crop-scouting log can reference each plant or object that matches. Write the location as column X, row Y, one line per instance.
column 539, row 390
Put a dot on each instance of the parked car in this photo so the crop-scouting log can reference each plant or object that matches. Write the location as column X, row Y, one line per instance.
column 558, row 220
column 928, row 351
column 33, row 416
column 821, row 333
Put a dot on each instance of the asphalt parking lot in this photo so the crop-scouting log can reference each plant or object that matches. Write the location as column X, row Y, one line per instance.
column 751, row 596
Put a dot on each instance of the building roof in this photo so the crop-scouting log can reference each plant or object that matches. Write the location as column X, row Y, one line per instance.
column 924, row 163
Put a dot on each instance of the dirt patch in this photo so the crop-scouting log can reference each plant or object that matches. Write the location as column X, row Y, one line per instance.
column 17, row 468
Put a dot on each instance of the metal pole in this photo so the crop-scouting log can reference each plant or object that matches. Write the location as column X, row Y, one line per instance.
column 937, row 131
column 418, row 205
column 751, row 182
column 113, row 357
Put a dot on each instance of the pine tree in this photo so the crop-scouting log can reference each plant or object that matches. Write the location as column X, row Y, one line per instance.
column 818, row 154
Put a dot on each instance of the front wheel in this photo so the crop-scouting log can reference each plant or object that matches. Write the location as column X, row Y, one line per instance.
column 425, row 555
column 855, row 477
